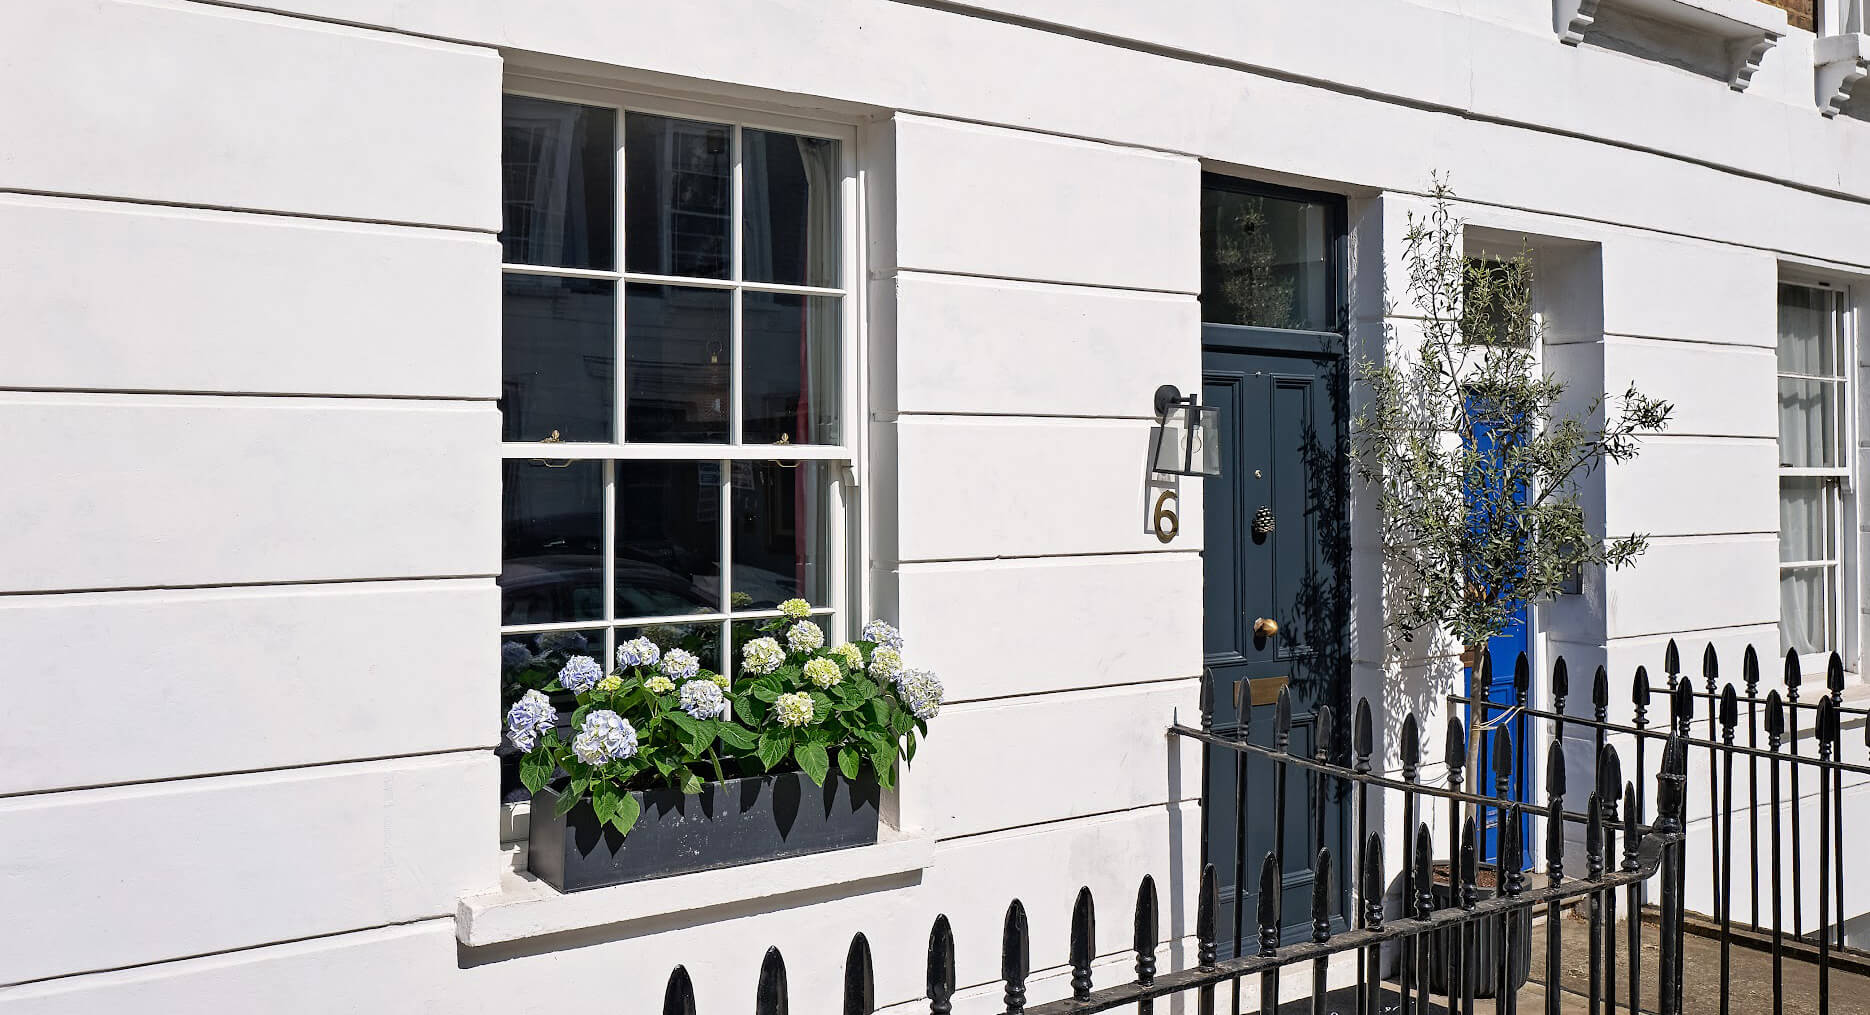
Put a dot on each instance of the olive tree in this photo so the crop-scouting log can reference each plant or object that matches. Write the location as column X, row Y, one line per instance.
column 1474, row 462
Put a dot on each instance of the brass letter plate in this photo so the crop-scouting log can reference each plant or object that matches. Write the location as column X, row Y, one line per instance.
column 1265, row 690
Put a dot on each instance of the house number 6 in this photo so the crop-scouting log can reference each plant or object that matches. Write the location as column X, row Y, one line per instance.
column 1166, row 521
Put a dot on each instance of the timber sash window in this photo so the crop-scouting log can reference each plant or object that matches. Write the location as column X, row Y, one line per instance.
column 1814, row 467
column 679, row 394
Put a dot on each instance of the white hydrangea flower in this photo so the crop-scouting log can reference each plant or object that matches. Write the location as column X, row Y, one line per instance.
column 761, row 656
column 514, row 655
column 921, row 693
column 805, row 636
column 609, row 684
column 885, row 662
column 529, row 717
column 823, row 672
column 793, row 709
column 796, row 609
column 659, row 684
column 703, row 699
column 604, row 737
column 850, row 655
column 881, row 633
column 580, row 674
column 680, row 665
column 638, row 652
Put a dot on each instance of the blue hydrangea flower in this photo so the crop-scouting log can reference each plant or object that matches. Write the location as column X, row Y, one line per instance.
column 638, row 652
column 580, row 674
column 793, row 709
column 885, row 662
column 823, row 672
column 514, row 655
column 921, row 693
column 796, row 609
column 761, row 656
column 703, row 699
column 805, row 636
column 883, row 634
column 680, row 665
column 529, row 717
column 604, row 737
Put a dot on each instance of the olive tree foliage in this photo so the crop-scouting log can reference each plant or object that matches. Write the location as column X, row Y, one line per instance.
column 1475, row 468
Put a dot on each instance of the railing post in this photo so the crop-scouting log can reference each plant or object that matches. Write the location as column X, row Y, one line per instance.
column 1269, row 920
column 1372, row 895
column 770, row 995
column 860, row 981
column 941, row 975
column 1363, row 742
column 1321, row 927
column 1410, row 754
column 1750, row 680
column 1143, row 940
column 679, row 998
column 1795, row 676
column 1827, row 736
column 1205, row 951
column 1834, row 680
column 1015, row 957
column 1724, row 902
column 1594, row 871
column 1083, row 943
column 1670, row 800
column 1775, row 728
column 1554, row 872
column 1632, row 841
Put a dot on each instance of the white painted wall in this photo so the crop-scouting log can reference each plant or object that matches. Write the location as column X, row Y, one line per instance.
column 248, row 275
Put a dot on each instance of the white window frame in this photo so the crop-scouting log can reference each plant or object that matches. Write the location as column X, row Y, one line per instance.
column 1840, row 485
column 846, row 509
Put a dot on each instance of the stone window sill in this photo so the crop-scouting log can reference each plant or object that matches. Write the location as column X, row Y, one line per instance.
column 524, row 907
column 1743, row 29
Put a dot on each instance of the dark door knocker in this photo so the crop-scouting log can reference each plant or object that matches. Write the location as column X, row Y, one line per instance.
column 1263, row 521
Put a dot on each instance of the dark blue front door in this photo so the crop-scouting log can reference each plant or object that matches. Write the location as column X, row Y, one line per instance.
column 1275, row 547
column 1504, row 651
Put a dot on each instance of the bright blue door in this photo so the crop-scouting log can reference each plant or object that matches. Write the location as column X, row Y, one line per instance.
column 1498, row 685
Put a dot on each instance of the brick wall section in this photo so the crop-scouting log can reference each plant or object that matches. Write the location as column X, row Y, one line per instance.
column 1800, row 11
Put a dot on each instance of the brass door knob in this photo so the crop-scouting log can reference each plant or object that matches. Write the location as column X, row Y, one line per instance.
column 1265, row 627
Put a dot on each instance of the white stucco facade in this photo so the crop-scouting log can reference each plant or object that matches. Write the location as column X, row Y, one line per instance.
column 250, row 345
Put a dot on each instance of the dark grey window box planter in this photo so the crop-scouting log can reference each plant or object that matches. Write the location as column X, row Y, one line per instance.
column 736, row 822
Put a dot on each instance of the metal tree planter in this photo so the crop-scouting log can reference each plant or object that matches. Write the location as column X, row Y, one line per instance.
column 727, row 824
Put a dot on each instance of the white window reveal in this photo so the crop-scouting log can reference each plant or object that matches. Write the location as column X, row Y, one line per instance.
column 680, row 401
column 1814, row 468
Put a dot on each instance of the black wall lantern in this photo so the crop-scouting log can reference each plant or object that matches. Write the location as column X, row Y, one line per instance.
column 1190, row 443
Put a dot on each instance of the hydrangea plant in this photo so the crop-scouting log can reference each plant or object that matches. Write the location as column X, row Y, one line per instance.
column 658, row 719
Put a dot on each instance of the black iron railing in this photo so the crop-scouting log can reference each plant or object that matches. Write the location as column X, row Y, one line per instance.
column 1457, row 948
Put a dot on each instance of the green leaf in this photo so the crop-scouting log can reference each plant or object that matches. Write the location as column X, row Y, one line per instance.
column 909, row 747
column 773, row 748
column 884, row 761
column 814, row 761
column 628, row 810
column 566, row 801
column 848, row 762
column 764, row 691
column 535, row 769
column 691, row 783
column 605, row 800
column 736, row 736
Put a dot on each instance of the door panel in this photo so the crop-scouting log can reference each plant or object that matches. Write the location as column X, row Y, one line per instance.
column 1280, row 396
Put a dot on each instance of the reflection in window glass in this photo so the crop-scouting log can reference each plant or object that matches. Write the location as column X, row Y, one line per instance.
column 782, row 545
column 677, row 359
column 668, row 538
column 790, row 388
column 791, row 208
column 678, row 204
column 1807, row 331
column 1804, row 529
column 1808, row 423
column 558, row 358
column 700, row 638
column 1805, row 609
column 557, row 182
column 1266, row 261
column 551, row 542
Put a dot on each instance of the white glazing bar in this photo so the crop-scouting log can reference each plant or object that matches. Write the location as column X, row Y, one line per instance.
column 705, row 283
column 610, row 564
column 546, row 269
column 580, row 451
column 726, row 493
column 619, row 380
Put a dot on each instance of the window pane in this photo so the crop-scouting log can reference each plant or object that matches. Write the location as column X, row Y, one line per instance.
column 1807, row 331
column 1804, row 520
column 678, row 205
column 551, row 543
column 677, row 355
column 532, row 660
column 790, row 204
column 1804, row 594
column 702, row 638
column 668, row 538
column 782, row 538
column 558, row 356
column 1808, row 424
column 790, row 387
column 557, row 182
column 1266, row 261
